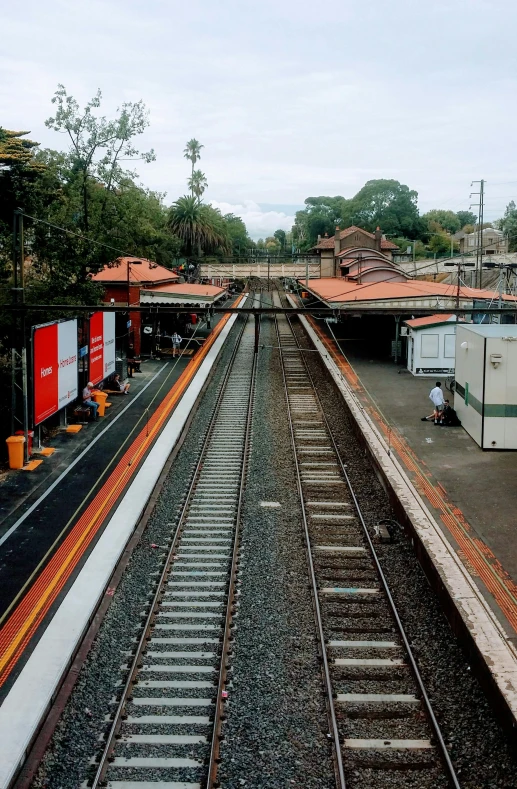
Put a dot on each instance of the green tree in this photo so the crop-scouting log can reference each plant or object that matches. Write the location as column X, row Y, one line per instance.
column 280, row 236
column 466, row 218
column 200, row 227
column 20, row 174
column 447, row 220
column 99, row 145
column 508, row 224
column 320, row 216
column 197, row 183
column 241, row 242
column 388, row 204
column 192, row 152
column 440, row 243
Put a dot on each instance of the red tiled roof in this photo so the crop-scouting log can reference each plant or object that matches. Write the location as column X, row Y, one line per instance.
column 428, row 320
column 141, row 273
column 188, row 289
column 334, row 289
column 328, row 243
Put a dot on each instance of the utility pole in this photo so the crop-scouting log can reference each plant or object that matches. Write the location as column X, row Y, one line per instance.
column 19, row 390
column 479, row 248
column 460, row 268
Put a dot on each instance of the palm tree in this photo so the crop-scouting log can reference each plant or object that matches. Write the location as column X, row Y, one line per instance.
column 200, row 227
column 192, row 152
column 197, row 183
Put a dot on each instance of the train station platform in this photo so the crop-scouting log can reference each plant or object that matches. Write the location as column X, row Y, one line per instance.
column 471, row 493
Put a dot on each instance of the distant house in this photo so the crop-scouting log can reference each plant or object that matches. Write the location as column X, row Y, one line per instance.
column 359, row 256
column 494, row 241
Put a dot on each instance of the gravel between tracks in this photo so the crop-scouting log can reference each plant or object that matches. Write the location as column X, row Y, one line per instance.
column 478, row 747
column 275, row 735
column 75, row 741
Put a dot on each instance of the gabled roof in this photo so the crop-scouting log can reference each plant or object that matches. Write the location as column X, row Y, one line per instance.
column 430, row 320
column 328, row 243
column 142, row 272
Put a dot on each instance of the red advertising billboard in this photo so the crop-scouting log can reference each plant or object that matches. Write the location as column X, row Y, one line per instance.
column 96, row 348
column 102, row 346
column 54, row 368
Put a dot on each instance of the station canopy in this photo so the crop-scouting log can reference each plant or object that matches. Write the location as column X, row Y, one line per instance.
column 182, row 294
column 338, row 293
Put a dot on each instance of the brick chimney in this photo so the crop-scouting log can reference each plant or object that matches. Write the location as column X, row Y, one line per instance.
column 337, row 242
column 378, row 239
column 319, row 238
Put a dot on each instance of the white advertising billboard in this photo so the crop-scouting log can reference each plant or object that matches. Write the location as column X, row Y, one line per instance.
column 54, row 368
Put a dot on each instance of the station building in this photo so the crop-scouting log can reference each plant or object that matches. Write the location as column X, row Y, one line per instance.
column 375, row 283
column 356, row 252
column 137, row 281
column 431, row 344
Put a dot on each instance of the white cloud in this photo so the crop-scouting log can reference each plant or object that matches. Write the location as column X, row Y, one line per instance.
column 258, row 222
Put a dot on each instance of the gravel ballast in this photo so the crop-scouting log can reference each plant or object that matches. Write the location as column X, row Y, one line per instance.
column 276, row 733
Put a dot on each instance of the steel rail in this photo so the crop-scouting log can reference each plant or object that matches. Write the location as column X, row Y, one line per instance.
column 414, row 667
column 150, row 618
column 338, row 758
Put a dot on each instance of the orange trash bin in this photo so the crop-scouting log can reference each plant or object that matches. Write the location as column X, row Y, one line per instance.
column 100, row 398
column 15, row 449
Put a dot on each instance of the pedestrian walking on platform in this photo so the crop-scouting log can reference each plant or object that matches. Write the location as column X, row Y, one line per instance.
column 436, row 396
column 176, row 342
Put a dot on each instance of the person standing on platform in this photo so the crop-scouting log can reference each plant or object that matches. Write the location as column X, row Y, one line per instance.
column 176, row 342
column 87, row 400
column 436, row 395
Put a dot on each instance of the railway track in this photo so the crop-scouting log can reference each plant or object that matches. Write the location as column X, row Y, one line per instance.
column 382, row 725
column 166, row 727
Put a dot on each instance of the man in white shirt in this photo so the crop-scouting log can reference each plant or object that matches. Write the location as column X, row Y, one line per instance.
column 87, row 400
column 436, row 395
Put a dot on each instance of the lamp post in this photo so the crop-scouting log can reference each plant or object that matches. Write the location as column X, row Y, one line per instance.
column 135, row 263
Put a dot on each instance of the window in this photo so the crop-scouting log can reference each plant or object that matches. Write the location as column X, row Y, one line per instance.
column 449, row 346
column 429, row 346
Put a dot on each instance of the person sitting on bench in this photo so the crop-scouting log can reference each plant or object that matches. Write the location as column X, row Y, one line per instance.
column 87, row 400
column 118, row 385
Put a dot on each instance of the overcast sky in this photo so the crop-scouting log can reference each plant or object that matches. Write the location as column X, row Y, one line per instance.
column 290, row 98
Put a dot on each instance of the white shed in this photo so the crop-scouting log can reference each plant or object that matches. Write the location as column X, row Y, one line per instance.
column 486, row 383
column 431, row 345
